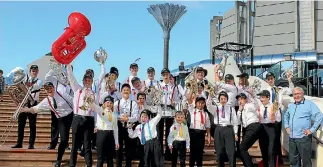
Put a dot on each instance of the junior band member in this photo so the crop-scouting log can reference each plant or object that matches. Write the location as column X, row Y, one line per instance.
column 59, row 105
column 226, row 131
column 128, row 115
column 248, row 115
column 179, row 139
column 199, row 123
column 147, row 133
column 107, row 134
column 267, row 118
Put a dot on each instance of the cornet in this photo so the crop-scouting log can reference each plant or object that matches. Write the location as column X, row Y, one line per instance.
column 88, row 101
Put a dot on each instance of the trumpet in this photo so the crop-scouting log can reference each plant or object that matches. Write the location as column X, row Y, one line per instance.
column 88, row 101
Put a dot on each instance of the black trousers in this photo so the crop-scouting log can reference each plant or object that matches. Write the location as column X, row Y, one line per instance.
column 179, row 149
column 197, row 142
column 250, row 136
column 277, row 143
column 22, row 118
column 266, row 143
column 152, row 151
column 164, row 122
column 82, row 130
column 106, row 147
column 54, row 131
column 126, row 145
column 225, row 145
column 64, row 125
column 300, row 149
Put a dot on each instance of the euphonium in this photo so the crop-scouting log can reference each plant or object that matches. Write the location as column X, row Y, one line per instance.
column 72, row 42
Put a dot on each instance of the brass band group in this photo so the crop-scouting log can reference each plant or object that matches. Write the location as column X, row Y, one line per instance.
column 129, row 118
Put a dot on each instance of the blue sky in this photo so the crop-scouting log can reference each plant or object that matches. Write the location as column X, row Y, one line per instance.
column 124, row 29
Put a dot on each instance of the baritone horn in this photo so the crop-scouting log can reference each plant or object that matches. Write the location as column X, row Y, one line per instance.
column 72, row 41
column 19, row 93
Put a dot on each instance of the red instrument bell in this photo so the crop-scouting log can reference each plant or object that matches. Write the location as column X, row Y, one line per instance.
column 72, row 42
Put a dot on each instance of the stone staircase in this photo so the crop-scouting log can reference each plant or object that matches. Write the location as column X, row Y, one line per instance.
column 41, row 157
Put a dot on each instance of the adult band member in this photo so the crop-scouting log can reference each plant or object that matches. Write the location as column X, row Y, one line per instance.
column 248, row 115
column 267, row 117
column 107, row 125
column 59, row 104
column 133, row 73
column 128, row 115
column 276, row 95
column 62, row 86
column 170, row 97
column 151, row 81
column 83, row 121
column 226, row 131
column 35, row 84
column 243, row 87
column 198, row 123
column 147, row 133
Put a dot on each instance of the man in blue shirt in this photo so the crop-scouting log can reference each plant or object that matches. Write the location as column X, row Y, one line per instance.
column 298, row 124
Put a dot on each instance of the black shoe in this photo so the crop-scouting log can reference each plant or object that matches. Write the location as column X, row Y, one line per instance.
column 17, row 146
column 31, row 147
column 58, row 164
column 50, row 148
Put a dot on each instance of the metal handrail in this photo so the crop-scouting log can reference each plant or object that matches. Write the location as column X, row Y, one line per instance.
column 318, row 140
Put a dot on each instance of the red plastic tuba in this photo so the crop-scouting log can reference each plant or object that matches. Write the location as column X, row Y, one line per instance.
column 72, row 42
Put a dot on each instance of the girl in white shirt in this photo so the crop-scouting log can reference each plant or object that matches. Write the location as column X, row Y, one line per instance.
column 107, row 134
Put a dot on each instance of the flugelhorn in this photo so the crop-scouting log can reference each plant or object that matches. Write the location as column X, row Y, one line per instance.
column 100, row 55
column 72, row 42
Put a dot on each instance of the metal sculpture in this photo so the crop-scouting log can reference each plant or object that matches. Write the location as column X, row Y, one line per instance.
column 167, row 16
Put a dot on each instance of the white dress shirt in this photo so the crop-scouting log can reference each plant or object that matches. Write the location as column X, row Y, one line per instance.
column 170, row 93
column 175, row 136
column 229, row 117
column 148, row 83
column 248, row 115
column 196, row 119
column 232, row 92
column 97, row 83
column 35, row 90
column 149, row 128
column 282, row 91
column 266, row 119
column 128, row 80
column 63, row 107
column 103, row 122
column 122, row 107
column 79, row 95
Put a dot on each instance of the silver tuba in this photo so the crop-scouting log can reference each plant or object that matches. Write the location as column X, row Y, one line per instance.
column 59, row 70
column 100, row 55
column 19, row 93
